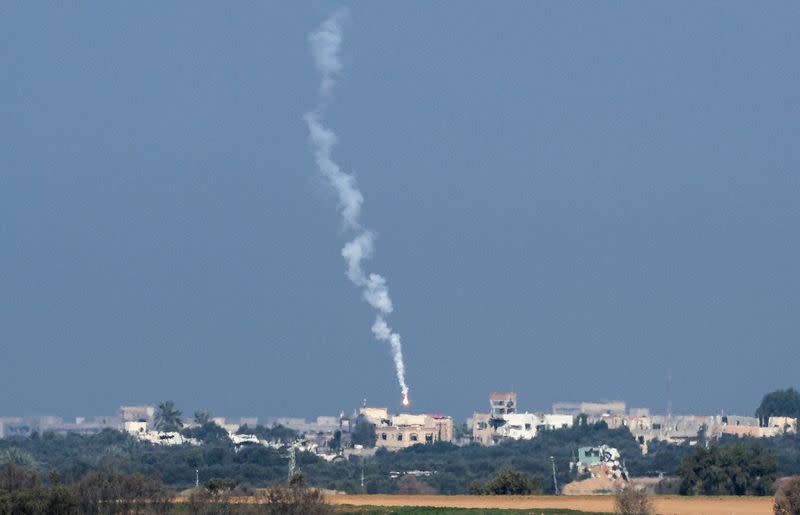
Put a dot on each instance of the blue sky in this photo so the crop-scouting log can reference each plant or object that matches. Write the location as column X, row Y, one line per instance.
column 570, row 200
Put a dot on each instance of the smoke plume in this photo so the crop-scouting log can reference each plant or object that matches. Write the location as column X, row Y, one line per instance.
column 325, row 45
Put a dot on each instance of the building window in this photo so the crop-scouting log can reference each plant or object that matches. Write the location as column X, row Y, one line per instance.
column 414, row 437
column 400, row 437
column 527, row 427
column 429, row 438
column 383, row 436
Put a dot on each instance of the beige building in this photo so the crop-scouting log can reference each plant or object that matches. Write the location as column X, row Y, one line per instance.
column 482, row 430
column 404, row 430
column 377, row 416
column 678, row 429
column 135, row 413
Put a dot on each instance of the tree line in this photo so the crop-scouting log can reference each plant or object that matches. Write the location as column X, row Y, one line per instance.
column 444, row 467
column 24, row 492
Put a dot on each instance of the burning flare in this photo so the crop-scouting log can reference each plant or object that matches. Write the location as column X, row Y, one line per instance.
column 406, row 402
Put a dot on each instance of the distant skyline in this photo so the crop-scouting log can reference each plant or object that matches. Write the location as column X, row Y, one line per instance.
column 569, row 201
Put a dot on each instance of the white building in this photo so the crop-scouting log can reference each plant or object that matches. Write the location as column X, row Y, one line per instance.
column 524, row 426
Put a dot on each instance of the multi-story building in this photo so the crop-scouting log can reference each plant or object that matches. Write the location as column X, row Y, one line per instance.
column 505, row 421
column 487, row 429
column 404, row 430
column 502, row 403
column 377, row 416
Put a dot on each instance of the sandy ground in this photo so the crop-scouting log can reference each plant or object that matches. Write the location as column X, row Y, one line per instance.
column 666, row 505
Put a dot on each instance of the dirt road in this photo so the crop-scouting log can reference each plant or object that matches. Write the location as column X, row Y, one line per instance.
column 666, row 505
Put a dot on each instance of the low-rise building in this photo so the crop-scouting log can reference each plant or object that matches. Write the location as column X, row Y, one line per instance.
column 679, row 429
column 142, row 412
column 141, row 431
column 591, row 409
column 322, row 424
column 15, row 426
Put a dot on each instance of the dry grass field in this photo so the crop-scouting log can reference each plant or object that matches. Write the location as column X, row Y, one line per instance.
column 665, row 505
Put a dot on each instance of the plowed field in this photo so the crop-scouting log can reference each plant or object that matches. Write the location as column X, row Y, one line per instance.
column 666, row 505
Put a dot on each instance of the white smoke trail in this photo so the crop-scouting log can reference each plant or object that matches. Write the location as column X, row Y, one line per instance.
column 325, row 45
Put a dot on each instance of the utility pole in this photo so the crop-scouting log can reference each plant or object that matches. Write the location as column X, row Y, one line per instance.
column 197, row 478
column 292, row 463
column 555, row 481
column 362, row 476
column 669, row 395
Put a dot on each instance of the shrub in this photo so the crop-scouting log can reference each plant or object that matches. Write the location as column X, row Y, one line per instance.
column 742, row 468
column 110, row 493
column 787, row 501
column 409, row 485
column 633, row 501
column 293, row 500
column 476, row 488
column 509, row 482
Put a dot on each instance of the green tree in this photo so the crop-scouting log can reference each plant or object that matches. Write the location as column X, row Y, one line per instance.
column 461, row 431
column 202, row 417
column 14, row 477
column 364, row 434
column 218, row 484
column 336, row 442
column 475, row 487
column 207, row 433
column 168, row 417
column 780, row 403
column 510, row 482
column 277, row 433
column 742, row 468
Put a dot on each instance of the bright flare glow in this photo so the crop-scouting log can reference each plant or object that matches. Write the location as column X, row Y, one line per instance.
column 406, row 402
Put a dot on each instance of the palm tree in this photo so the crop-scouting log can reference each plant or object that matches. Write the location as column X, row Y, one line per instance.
column 202, row 417
column 168, row 417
